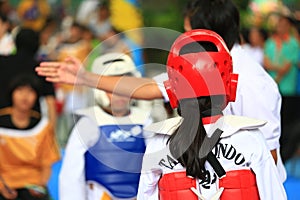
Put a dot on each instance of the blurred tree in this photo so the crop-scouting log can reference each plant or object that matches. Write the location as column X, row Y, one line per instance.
column 242, row 4
column 166, row 14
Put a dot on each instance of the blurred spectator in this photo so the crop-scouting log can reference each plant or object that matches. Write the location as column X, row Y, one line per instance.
column 298, row 37
column 7, row 45
column 24, row 62
column 74, row 44
column 7, row 10
column 115, row 42
column 291, row 117
column 28, row 147
column 86, row 9
column 48, row 41
column 70, row 98
column 256, row 41
column 99, row 22
column 33, row 13
column 281, row 56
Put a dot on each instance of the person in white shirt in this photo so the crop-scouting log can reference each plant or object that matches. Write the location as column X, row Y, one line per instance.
column 202, row 154
column 254, row 43
column 7, row 44
column 257, row 94
column 104, row 152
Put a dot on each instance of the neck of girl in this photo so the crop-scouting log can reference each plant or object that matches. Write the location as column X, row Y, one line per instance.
column 20, row 118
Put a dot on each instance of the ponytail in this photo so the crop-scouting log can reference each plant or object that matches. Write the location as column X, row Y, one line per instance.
column 186, row 142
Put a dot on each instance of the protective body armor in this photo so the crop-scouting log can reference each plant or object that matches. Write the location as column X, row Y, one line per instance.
column 115, row 160
column 237, row 184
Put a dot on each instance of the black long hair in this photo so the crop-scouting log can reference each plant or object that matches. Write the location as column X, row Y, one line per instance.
column 187, row 140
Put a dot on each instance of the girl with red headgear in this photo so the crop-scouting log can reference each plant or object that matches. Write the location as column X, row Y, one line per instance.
column 202, row 154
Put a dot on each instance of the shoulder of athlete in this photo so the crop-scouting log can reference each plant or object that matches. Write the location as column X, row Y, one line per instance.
column 230, row 124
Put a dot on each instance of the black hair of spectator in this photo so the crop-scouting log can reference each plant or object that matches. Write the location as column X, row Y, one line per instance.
column 298, row 26
column 104, row 4
column 264, row 33
column 3, row 18
column 245, row 34
column 115, row 30
column 24, row 80
column 27, row 40
column 78, row 25
column 287, row 16
column 50, row 21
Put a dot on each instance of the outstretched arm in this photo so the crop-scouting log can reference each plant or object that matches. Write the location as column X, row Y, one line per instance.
column 71, row 71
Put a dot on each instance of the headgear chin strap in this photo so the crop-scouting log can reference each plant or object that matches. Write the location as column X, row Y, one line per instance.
column 200, row 73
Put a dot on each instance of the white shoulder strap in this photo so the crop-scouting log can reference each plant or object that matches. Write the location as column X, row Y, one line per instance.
column 232, row 124
column 166, row 127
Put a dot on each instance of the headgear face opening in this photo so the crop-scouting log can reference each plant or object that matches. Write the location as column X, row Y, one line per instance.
column 200, row 73
column 112, row 64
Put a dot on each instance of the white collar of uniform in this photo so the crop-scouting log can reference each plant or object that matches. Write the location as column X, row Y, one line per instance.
column 230, row 123
column 166, row 127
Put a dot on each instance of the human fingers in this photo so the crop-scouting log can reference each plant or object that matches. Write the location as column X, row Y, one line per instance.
column 48, row 72
column 50, row 64
column 54, row 79
column 45, row 68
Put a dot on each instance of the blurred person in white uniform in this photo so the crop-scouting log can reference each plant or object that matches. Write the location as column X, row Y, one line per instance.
column 104, row 153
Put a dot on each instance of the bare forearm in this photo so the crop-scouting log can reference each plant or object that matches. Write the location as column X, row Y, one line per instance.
column 51, row 109
column 45, row 175
column 274, row 155
column 285, row 69
column 138, row 88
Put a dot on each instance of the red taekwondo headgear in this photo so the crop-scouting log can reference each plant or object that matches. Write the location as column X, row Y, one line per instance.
column 199, row 73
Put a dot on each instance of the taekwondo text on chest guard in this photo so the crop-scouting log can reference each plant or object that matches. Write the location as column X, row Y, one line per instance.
column 229, row 153
column 168, row 163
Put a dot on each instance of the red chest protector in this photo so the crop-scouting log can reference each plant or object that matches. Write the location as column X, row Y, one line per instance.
column 240, row 184
column 176, row 186
column 237, row 184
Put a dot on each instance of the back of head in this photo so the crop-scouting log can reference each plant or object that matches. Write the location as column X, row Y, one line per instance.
column 201, row 83
column 27, row 40
column 220, row 16
column 199, row 65
column 112, row 64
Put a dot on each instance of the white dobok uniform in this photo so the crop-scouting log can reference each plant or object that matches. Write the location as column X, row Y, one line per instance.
column 85, row 172
column 257, row 97
column 241, row 147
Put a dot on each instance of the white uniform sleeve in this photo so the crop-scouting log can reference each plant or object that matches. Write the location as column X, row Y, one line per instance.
column 160, row 83
column 72, row 174
column 257, row 96
column 151, row 173
column 148, row 189
column 268, row 180
column 261, row 102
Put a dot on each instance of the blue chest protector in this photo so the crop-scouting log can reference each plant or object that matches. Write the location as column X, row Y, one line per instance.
column 115, row 161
